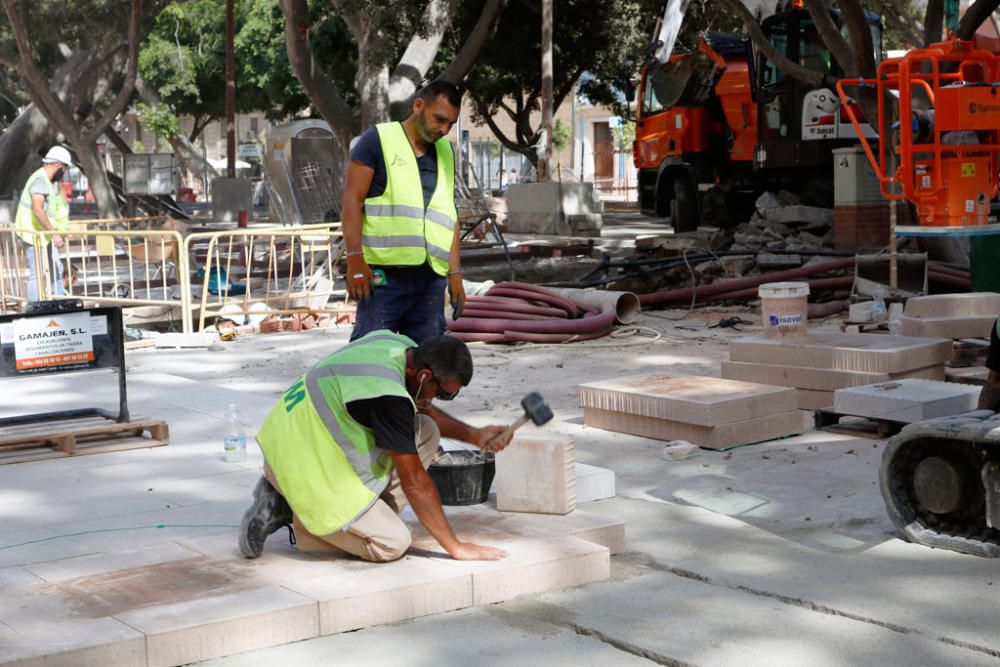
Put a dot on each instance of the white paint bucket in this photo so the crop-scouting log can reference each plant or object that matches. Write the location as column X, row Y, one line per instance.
column 783, row 308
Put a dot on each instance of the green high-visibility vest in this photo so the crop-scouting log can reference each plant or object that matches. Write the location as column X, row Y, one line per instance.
column 398, row 230
column 58, row 210
column 328, row 465
column 25, row 219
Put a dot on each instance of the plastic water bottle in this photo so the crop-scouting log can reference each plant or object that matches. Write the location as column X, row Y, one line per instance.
column 235, row 442
column 878, row 304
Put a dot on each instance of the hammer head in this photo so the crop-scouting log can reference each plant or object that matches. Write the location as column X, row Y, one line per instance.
column 536, row 409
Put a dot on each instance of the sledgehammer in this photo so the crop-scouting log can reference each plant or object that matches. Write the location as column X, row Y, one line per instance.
column 535, row 410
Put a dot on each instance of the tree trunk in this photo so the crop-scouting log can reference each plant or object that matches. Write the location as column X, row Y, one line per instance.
column 321, row 92
column 93, row 166
column 188, row 155
column 974, row 17
column 191, row 157
column 31, row 134
column 933, row 21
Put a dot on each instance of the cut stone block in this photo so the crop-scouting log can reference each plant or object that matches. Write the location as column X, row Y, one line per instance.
column 817, row 379
column 387, row 593
column 536, row 475
column 906, row 400
column 955, row 326
column 696, row 400
column 101, row 641
column 534, row 566
column 710, row 437
column 210, row 627
column 954, row 305
column 869, row 353
column 484, row 525
column 593, row 483
column 810, row 399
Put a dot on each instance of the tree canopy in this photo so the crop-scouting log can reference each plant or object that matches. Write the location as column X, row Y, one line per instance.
column 603, row 38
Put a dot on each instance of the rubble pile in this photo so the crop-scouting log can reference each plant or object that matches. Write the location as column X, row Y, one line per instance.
column 781, row 223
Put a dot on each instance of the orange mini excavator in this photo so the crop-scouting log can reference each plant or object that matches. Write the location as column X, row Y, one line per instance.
column 940, row 122
column 939, row 107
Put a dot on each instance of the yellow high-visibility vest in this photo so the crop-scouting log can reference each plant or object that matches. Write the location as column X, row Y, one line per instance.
column 398, row 230
column 328, row 465
column 25, row 219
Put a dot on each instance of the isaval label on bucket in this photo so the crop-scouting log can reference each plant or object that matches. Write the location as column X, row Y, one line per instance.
column 784, row 320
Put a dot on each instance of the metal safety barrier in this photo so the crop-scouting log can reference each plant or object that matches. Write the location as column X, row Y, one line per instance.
column 160, row 275
column 273, row 271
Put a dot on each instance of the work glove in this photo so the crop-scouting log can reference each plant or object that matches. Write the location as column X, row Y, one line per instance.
column 359, row 277
column 456, row 292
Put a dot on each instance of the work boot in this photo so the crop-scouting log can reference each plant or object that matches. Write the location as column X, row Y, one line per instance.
column 269, row 512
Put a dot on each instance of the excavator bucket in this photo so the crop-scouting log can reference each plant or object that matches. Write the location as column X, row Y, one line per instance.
column 687, row 81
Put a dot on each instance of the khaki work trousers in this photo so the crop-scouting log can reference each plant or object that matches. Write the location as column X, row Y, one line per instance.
column 378, row 535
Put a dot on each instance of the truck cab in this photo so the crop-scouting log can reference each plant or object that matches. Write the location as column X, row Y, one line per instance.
column 721, row 123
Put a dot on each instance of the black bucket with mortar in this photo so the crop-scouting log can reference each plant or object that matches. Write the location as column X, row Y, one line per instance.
column 463, row 477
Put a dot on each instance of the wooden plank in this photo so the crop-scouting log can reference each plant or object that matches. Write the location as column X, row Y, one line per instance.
column 50, row 426
column 93, row 447
column 58, row 432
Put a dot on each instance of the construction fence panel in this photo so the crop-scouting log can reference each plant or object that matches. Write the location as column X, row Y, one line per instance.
column 159, row 275
column 266, row 271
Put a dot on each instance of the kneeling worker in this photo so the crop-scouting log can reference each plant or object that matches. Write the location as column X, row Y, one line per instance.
column 348, row 445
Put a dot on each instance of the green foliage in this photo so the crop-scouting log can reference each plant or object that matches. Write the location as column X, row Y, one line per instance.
column 604, row 38
column 624, row 134
column 184, row 57
column 706, row 16
column 160, row 120
column 561, row 135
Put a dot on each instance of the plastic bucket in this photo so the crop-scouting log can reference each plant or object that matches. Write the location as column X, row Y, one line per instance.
column 466, row 480
column 783, row 308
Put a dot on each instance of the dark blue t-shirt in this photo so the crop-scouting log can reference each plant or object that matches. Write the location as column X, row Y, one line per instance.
column 368, row 151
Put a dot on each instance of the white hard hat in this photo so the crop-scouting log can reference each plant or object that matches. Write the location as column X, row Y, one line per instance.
column 58, row 154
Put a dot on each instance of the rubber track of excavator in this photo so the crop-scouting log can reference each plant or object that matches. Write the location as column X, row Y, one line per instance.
column 968, row 441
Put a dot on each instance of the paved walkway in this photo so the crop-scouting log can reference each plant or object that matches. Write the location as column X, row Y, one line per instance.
column 772, row 554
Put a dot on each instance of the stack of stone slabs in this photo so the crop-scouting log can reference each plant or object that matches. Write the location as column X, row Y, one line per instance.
column 819, row 363
column 950, row 315
column 709, row 412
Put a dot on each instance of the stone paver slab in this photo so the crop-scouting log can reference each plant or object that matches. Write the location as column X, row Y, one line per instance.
column 867, row 353
column 97, row 641
column 210, row 627
column 702, row 401
column 372, row 595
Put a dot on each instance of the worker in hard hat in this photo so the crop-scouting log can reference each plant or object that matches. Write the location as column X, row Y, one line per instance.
column 36, row 212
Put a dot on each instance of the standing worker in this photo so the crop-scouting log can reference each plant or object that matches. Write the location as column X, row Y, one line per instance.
column 345, row 449
column 35, row 212
column 400, row 224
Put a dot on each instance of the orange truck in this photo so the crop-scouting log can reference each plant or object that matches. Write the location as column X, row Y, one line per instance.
column 718, row 125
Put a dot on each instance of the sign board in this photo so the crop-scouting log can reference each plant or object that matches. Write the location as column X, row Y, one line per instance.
column 250, row 151
column 56, row 342
column 59, row 342
column 150, row 174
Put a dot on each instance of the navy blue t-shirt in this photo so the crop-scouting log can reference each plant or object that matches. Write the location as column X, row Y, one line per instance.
column 368, row 151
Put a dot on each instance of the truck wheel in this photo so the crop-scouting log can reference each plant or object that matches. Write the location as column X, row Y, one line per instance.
column 715, row 208
column 684, row 206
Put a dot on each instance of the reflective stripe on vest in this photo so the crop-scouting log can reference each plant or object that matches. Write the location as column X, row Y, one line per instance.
column 327, row 464
column 398, row 230
column 25, row 219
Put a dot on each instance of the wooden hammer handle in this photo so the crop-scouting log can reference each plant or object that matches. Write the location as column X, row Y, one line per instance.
column 522, row 420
